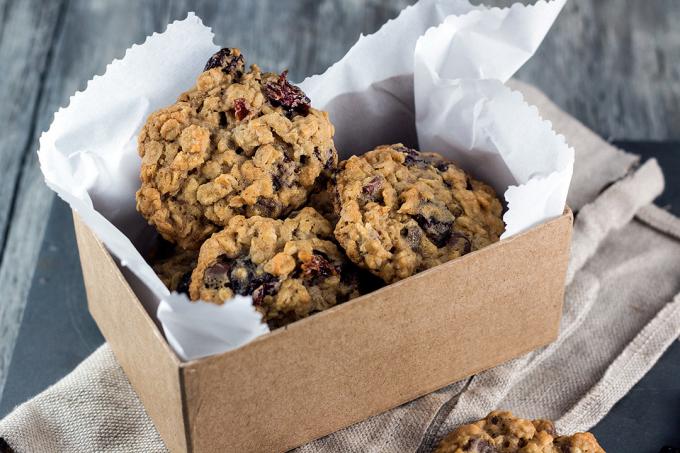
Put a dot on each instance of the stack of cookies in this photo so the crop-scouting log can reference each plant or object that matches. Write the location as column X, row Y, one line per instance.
column 242, row 177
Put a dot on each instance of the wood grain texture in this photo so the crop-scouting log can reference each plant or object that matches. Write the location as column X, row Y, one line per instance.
column 610, row 63
column 24, row 200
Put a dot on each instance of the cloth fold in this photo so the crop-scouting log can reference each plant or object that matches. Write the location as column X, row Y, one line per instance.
column 624, row 273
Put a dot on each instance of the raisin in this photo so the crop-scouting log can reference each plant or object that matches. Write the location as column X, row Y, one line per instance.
column 240, row 108
column 230, row 60
column 183, row 285
column 291, row 98
column 371, row 189
column 436, row 231
column 318, row 268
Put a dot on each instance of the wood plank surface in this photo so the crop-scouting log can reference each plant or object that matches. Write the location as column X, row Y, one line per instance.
column 28, row 28
column 609, row 63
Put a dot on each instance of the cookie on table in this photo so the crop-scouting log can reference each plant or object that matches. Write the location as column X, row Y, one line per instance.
column 174, row 268
column 292, row 268
column 501, row 432
column 237, row 143
column 402, row 211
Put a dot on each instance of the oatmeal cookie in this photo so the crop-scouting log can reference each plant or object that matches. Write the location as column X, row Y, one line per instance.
column 174, row 268
column 402, row 211
column 291, row 267
column 501, row 432
column 237, row 143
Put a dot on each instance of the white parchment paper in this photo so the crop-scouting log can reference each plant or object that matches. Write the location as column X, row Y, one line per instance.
column 433, row 78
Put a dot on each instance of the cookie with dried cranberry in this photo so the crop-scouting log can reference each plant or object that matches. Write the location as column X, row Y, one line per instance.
column 237, row 143
column 501, row 432
column 402, row 211
column 292, row 268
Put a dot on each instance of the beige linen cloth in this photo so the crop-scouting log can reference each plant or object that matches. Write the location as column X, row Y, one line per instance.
column 622, row 310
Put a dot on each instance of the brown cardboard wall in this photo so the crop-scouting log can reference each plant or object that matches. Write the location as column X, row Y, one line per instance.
column 139, row 347
column 374, row 353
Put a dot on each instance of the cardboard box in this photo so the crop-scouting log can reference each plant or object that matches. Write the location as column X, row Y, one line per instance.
column 343, row 365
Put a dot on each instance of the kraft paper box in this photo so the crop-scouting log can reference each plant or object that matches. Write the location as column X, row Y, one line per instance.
column 213, row 377
column 343, row 365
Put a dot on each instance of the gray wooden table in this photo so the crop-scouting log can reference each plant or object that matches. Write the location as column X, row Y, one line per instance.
column 610, row 63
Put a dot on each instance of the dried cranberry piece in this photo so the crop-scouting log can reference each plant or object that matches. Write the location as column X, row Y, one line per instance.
column 183, row 285
column 241, row 109
column 230, row 60
column 291, row 98
column 438, row 232
column 371, row 189
column 318, row 268
column 269, row 285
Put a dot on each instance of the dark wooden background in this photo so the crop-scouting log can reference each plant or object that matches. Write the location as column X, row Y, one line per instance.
column 610, row 63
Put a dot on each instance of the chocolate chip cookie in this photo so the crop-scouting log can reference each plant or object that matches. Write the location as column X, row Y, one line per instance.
column 501, row 432
column 291, row 267
column 237, row 143
column 402, row 211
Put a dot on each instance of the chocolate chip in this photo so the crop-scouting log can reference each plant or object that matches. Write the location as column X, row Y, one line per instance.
column 318, row 268
column 183, row 285
column 230, row 60
column 371, row 189
column 494, row 420
column 522, row 443
column 291, row 98
column 240, row 108
column 304, row 159
column 217, row 275
column 223, row 119
column 436, row 231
